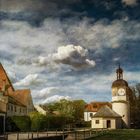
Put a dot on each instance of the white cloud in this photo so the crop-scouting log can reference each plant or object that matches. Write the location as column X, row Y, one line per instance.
column 73, row 55
column 41, row 60
column 35, row 45
column 28, row 80
column 130, row 2
column 55, row 98
column 44, row 93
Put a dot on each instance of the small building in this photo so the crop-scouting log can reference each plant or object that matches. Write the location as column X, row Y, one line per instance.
column 106, row 118
column 40, row 109
column 92, row 108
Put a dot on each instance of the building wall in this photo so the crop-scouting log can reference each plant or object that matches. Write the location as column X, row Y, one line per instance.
column 3, row 106
column 122, row 108
column 88, row 115
column 30, row 105
column 115, row 123
column 15, row 110
column 95, row 125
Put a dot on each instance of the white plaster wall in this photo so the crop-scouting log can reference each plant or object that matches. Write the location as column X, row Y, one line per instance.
column 123, row 110
column 94, row 125
column 119, row 98
column 87, row 116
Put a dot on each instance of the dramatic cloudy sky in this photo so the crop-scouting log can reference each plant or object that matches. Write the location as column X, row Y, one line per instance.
column 69, row 48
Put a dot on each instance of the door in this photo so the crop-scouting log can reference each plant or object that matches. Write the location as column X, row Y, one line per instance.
column 108, row 124
column 1, row 125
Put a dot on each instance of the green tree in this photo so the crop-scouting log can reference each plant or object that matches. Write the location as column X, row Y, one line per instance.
column 38, row 121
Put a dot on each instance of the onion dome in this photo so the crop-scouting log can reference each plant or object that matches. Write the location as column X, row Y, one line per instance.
column 119, row 82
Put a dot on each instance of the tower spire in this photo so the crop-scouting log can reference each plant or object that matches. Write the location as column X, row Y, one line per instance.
column 119, row 72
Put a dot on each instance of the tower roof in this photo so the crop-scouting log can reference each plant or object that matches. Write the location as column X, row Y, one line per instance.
column 106, row 112
column 119, row 82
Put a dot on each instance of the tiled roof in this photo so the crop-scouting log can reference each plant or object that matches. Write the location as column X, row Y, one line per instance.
column 21, row 95
column 95, row 106
column 106, row 112
column 4, row 80
column 14, row 101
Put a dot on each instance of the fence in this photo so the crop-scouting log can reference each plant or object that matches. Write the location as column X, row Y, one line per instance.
column 77, row 134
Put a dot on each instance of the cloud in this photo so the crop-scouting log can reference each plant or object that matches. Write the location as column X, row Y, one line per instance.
column 73, row 55
column 42, row 61
column 32, row 47
column 55, row 98
column 44, row 93
column 130, row 2
column 29, row 80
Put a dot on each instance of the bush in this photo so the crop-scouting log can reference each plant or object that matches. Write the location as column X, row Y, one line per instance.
column 38, row 121
column 18, row 123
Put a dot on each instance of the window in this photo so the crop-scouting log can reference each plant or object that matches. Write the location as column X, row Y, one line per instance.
column 11, row 107
column 97, row 121
column 8, row 107
column 91, row 114
column 15, row 109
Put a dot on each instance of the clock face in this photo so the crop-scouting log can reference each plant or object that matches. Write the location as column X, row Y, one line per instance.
column 121, row 91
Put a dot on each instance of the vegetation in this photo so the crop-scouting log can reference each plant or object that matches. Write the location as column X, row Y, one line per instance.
column 38, row 121
column 72, row 110
column 18, row 123
column 119, row 135
column 135, row 107
column 63, row 114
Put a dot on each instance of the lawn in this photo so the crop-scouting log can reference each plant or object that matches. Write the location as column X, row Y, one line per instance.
column 120, row 135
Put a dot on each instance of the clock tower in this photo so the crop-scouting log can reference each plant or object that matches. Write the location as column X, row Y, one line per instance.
column 120, row 98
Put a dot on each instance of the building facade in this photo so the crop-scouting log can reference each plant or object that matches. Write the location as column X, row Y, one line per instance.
column 120, row 98
column 119, row 116
column 12, row 102
column 92, row 108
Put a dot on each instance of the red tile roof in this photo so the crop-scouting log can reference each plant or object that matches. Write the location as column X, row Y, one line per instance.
column 95, row 106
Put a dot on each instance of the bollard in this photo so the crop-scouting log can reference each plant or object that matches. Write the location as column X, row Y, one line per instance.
column 32, row 135
column 17, row 136
column 75, row 135
column 84, row 134
column 28, row 135
column 37, row 134
column 63, row 135
column 47, row 132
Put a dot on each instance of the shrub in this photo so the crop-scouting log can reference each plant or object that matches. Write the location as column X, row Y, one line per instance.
column 18, row 123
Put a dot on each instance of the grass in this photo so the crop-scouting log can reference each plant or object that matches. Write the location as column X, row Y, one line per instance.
column 120, row 135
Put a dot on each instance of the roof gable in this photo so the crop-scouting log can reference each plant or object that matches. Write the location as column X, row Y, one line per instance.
column 4, row 80
column 23, row 96
column 95, row 106
column 106, row 112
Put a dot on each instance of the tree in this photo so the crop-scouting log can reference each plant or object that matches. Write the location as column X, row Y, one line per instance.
column 78, row 111
column 135, row 106
column 72, row 111
column 38, row 121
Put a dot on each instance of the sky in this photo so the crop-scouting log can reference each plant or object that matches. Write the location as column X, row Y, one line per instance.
column 69, row 49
